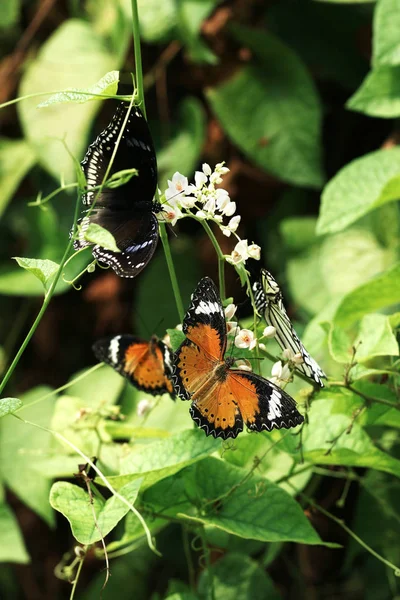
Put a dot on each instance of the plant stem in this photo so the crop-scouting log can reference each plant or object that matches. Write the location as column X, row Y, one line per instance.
column 171, row 270
column 75, row 583
column 206, row 554
column 188, row 556
column 138, row 56
column 221, row 258
column 48, row 296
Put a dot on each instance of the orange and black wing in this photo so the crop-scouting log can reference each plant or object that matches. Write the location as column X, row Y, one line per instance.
column 246, row 398
column 205, row 329
column 147, row 365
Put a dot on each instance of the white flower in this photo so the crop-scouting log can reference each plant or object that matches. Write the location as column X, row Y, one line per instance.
column 243, row 364
column 187, row 201
column 170, row 214
column 218, row 218
column 200, row 179
column 269, row 332
column 288, row 354
column 215, row 178
column 209, row 207
column 219, row 168
column 222, row 198
column 239, row 253
column 206, row 169
column 178, row 185
column 254, row 251
column 281, row 374
column 229, row 209
column 232, row 328
column 201, row 214
column 179, row 327
column 262, row 346
column 143, row 407
column 232, row 226
column 298, row 359
column 230, row 311
column 245, row 339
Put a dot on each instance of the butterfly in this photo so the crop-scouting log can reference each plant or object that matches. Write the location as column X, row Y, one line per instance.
column 127, row 211
column 147, row 365
column 269, row 302
column 223, row 399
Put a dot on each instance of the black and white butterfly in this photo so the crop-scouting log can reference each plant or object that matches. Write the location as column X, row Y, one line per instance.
column 269, row 303
column 127, row 211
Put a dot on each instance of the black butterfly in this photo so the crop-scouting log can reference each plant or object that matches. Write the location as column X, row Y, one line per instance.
column 127, row 211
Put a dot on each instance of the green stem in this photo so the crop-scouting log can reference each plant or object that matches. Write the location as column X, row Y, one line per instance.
column 206, row 554
column 188, row 556
column 48, row 296
column 138, row 56
column 221, row 258
column 75, row 583
column 171, row 270
column 347, row 530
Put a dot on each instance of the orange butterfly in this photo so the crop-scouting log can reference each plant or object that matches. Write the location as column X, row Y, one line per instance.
column 147, row 365
column 223, row 398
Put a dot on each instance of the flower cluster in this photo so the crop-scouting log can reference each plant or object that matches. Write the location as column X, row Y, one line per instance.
column 204, row 201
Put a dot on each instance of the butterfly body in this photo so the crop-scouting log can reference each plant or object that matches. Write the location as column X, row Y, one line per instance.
column 127, row 211
column 269, row 303
column 223, row 398
column 146, row 364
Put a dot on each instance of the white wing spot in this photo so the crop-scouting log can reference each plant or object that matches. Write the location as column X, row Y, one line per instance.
column 113, row 350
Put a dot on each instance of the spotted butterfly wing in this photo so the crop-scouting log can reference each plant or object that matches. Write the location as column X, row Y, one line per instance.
column 223, row 399
column 126, row 211
column 147, row 365
column 269, row 302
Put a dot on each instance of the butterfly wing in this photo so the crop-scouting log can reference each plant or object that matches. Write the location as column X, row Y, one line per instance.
column 135, row 151
column 205, row 329
column 243, row 398
column 141, row 362
column 268, row 300
column 136, row 235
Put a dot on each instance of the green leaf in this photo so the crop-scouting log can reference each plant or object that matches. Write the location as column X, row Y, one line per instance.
column 379, row 94
column 237, row 576
column 347, row 1
column 386, row 46
column 42, row 269
column 16, row 159
column 9, row 405
column 191, row 15
column 9, row 13
column 355, row 449
column 20, row 444
column 12, row 547
column 271, row 110
column 376, row 338
column 106, row 86
column 96, row 234
column 168, row 456
column 257, row 509
column 157, row 19
column 379, row 292
column 359, row 188
column 183, row 151
column 91, row 519
column 56, row 68
column 340, row 345
column 176, row 337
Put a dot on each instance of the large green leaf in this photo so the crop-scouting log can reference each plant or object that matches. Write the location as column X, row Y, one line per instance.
column 271, row 110
column 168, row 456
column 44, row 270
column 106, row 86
column 257, row 509
column 12, row 548
column 19, row 445
column 379, row 94
column 73, row 57
column 16, row 159
column 386, row 46
column 157, row 19
column 237, row 576
column 379, row 292
column 359, row 188
column 375, row 338
column 355, row 449
column 91, row 518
